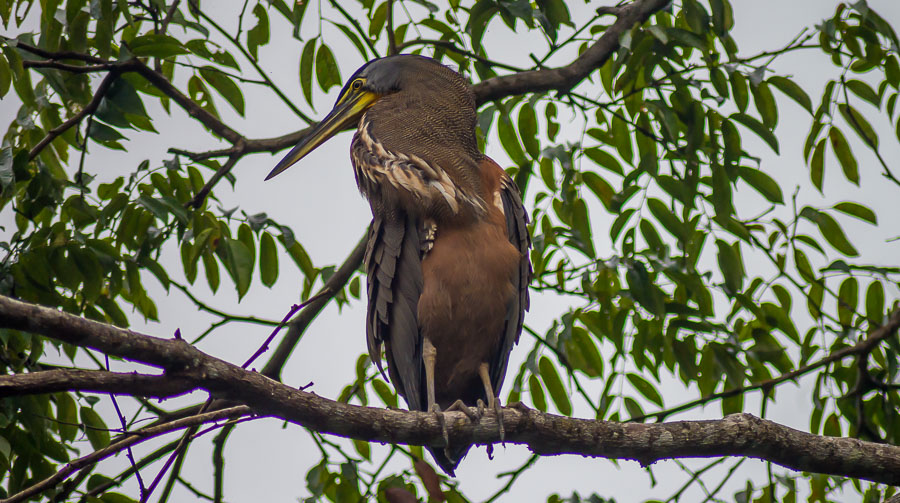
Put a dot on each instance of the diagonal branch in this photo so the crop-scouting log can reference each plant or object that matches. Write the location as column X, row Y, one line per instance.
column 566, row 77
column 862, row 347
column 137, row 437
column 545, row 434
column 298, row 325
column 75, row 119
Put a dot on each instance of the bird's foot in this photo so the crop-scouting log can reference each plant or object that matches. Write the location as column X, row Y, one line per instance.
column 495, row 402
column 439, row 415
column 462, row 407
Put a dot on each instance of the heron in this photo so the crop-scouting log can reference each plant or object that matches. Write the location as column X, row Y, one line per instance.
column 447, row 258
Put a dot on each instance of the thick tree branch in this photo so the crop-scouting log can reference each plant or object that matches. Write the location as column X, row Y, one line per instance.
column 545, row 434
column 566, row 77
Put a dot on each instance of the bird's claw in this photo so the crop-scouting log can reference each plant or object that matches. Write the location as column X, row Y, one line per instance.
column 443, row 422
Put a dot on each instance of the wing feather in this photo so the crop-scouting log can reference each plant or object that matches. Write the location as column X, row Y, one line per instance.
column 394, row 285
column 517, row 231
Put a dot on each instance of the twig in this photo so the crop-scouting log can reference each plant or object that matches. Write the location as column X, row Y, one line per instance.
column 218, row 460
column 296, row 307
column 862, row 347
column 298, row 325
column 128, row 451
column 137, row 437
column 75, row 119
column 201, row 194
column 513, row 476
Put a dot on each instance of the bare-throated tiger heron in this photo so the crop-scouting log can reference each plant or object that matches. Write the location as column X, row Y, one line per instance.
column 447, row 256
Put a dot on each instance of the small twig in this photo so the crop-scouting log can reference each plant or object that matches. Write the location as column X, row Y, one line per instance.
column 170, row 13
column 204, row 191
column 513, row 475
column 862, row 347
column 298, row 325
column 75, row 119
column 137, row 437
column 296, row 307
column 218, row 460
column 178, row 453
column 128, row 451
column 389, row 29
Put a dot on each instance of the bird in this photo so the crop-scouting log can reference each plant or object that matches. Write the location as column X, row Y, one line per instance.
column 447, row 254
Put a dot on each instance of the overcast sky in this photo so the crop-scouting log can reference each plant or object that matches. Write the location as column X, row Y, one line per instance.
column 319, row 201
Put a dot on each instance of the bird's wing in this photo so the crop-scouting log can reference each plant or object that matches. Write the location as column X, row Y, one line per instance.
column 517, row 231
column 394, row 284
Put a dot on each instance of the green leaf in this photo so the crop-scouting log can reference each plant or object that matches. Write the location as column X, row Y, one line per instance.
column 327, row 72
column 306, row 68
column 739, row 88
column 604, row 159
column 857, row 210
column 817, row 165
column 765, row 104
column 644, row 387
column 831, row 230
column 238, row 261
column 528, row 130
column 757, row 127
column 510, row 140
column 622, row 137
column 600, row 187
column 864, row 91
column 5, row 75
column 668, row 220
column 875, row 303
column 555, row 386
column 157, row 46
column 763, row 183
column 537, row 393
column 94, row 428
column 860, row 125
column 385, row 393
column 225, row 87
column 792, row 91
column 731, row 267
column 848, row 299
column 259, row 34
column 268, row 259
column 844, row 154
column 67, row 416
column 211, row 270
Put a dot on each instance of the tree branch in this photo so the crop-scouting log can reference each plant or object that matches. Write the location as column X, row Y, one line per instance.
column 298, row 325
column 862, row 347
column 546, row 434
column 134, row 438
column 75, row 119
column 96, row 381
column 566, row 77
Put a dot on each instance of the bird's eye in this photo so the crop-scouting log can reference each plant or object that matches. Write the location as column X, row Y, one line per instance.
column 356, row 84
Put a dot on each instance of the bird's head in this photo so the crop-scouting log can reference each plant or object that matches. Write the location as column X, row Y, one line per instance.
column 374, row 80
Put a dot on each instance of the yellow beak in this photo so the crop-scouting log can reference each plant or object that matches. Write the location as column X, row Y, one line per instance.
column 347, row 111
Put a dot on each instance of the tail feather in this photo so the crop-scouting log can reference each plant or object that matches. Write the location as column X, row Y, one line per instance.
column 448, row 459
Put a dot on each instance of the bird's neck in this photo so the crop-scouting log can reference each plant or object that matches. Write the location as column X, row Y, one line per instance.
column 425, row 180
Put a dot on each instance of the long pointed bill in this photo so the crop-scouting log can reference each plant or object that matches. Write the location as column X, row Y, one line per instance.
column 345, row 112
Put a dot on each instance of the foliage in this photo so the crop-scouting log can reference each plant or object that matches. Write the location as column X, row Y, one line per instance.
column 693, row 281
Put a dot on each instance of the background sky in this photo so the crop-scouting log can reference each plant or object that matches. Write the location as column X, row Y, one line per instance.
column 319, row 201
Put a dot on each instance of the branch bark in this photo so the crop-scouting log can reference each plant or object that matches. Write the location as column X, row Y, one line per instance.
column 545, row 434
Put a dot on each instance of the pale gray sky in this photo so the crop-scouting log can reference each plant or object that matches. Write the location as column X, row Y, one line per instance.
column 318, row 199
